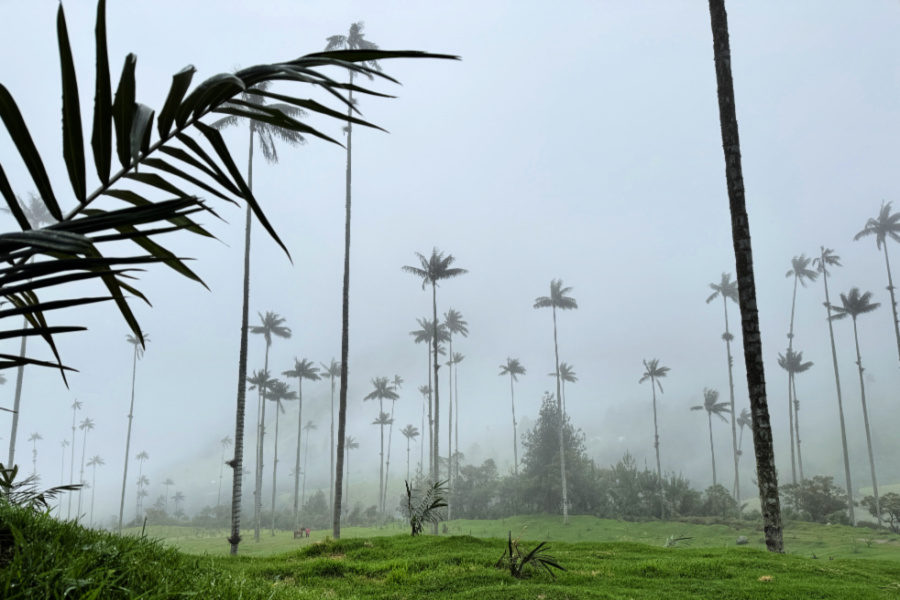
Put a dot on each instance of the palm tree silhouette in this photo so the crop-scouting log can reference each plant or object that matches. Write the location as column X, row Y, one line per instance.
column 138, row 344
column 800, row 271
column 854, row 305
column 559, row 299
column 433, row 269
column 76, row 406
column 728, row 289
column 355, row 40
column 303, row 369
column 141, row 482
column 383, row 391
column 94, row 462
column 167, row 483
column 349, row 444
column 513, row 368
column 425, row 390
column 397, row 384
column 827, row 258
column 278, row 392
column 566, row 373
column 310, row 425
column 792, row 362
column 226, row 443
column 272, row 324
column 85, row 426
column 457, row 358
column 34, row 438
column 744, row 420
column 654, row 373
column 743, row 254
column 884, row 226
column 426, row 334
column 178, row 498
column 454, row 323
column 410, row 433
column 331, row 371
column 62, row 466
column 712, row 407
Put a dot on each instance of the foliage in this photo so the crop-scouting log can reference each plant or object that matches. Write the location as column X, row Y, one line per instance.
column 677, row 541
column 815, row 499
column 426, row 511
column 718, row 502
column 516, row 559
column 890, row 509
column 24, row 493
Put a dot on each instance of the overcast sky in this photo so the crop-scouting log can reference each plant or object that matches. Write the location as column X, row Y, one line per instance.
column 575, row 140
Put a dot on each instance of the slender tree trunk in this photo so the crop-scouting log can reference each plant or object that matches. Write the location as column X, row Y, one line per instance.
column 93, row 487
column 81, row 472
column 20, row 374
column 562, row 448
column 456, row 430
column 712, row 448
column 345, row 346
column 221, row 476
column 740, row 226
column 797, row 425
column 275, row 467
column 662, row 498
column 862, row 395
column 737, row 478
column 450, row 428
column 330, row 452
column 381, row 471
column 260, row 451
column 512, row 396
column 127, row 439
column 297, row 462
column 837, row 382
column 791, row 388
column 435, row 469
column 430, row 416
column 72, row 457
column 237, row 463
column 887, row 263
column 407, row 460
column 422, row 443
column 305, row 456
column 387, row 468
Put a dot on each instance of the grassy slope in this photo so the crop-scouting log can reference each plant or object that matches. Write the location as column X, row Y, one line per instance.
column 48, row 558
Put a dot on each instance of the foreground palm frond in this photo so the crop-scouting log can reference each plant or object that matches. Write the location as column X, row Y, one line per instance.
column 24, row 493
column 126, row 205
column 516, row 559
column 426, row 511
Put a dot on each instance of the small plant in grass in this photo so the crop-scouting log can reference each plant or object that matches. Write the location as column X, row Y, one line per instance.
column 677, row 541
column 426, row 511
column 24, row 493
column 516, row 559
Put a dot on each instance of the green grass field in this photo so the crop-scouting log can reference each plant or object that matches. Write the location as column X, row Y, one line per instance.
column 44, row 559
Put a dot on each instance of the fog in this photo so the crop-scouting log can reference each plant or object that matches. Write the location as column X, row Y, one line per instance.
column 577, row 141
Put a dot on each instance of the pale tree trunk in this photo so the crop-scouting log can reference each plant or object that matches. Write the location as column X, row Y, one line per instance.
column 72, row 457
column 330, row 452
column 81, row 472
column 422, row 443
column 862, row 392
column 450, row 427
column 740, row 227
column 387, row 468
column 662, row 497
column 791, row 389
column 297, row 461
column 512, row 396
column 345, row 346
column 20, row 374
column 260, row 440
column 237, row 463
column 559, row 410
column 737, row 479
column 381, row 460
column 93, row 487
column 837, row 381
column 127, row 439
column 275, row 467
column 305, row 456
column 887, row 263
column 712, row 447
column 456, row 430
column 797, row 425
column 435, row 469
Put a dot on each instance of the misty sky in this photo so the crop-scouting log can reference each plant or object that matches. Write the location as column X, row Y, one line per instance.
column 575, row 140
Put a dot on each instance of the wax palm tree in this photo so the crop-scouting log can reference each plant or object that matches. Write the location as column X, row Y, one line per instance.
column 138, row 343
column 94, row 462
column 62, row 466
column 410, row 433
column 801, row 272
column 355, row 40
column 744, row 420
column 426, row 335
column 513, row 368
column 827, row 258
column 792, row 362
column 34, row 438
column 310, row 425
column 142, row 482
column 431, row 270
column 728, row 290
column 271, row 325
column 767, row 476
column 425, row 390
column 457, row 358
column 654, row 372
column 712, row 407
column 226, row 443
column 884, row 226
column 454, row 323
column 566, row 373
column 331, row 371
column 85, row 426
column 559, row 300
column 278, row 392
column 303, row 369
column 383, row 391
column 37, row 216
column 178, row 498
column 349, row 444
column 397, row 384
column 854, row 305
column 76, row 406
column 168, row 482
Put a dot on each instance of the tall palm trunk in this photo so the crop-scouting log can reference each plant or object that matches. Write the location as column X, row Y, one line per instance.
column 887, row 263
column 430, row 417
column 260, row 440
column 221, row 476
column 512, row 396
column 559, row 410
column 81, row 472
column 297, row 461
column 387, row 468
column 345, row 345
column 237, row 463
column 407, row 459
column 381, row 460
column 435, row 468
column 837, row 382
column 450, row 427
column 791, row 389
column 862, row 392
column 456, row 430
column 330, row 453
column 797, row 425
column 275, row 467
column 740, row 227
column 127, row 438
column 737, row 478
column 712, row 448
column 93, row 488
column 20, row 374
column 305, row 456
column 72, row 456
column 662, row 499
column 422, row 443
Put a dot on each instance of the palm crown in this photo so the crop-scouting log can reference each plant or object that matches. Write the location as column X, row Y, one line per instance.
column 426, row 333
column 410, row 432
column 278, row 391
column 140, row 343
column 384, row 390
column 654, row 372
column 435, row 268
column 885, row 225
column 304, row 369
column 827, row 259
column 711, row 406
column 792, row 362
column 800, row 270
column 566, row 373
column 271, row 325
column 726, row 287
column 454, row 323
column 557, row 297
column 854, row 305
column 513, row 368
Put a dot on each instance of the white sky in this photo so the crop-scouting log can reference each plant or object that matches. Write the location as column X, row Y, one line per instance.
column 576, row 141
